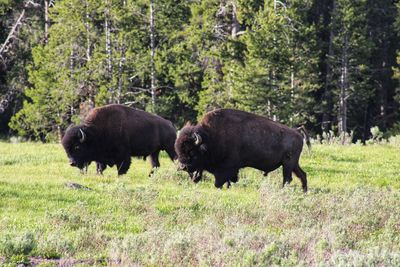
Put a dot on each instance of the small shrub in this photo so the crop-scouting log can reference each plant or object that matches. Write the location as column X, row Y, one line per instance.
column 330, row 138
column 22, row 244
column 395, row 130
column 17, row 260
column 394, row 140
column 53, row 246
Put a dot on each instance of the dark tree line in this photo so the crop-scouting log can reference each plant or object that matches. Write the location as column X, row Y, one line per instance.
column 331, row 65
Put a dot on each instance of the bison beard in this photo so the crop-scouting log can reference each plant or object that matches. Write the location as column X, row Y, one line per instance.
column 226, row 140
column 112, row 134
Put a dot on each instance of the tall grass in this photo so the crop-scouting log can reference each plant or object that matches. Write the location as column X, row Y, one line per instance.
column 350, row 216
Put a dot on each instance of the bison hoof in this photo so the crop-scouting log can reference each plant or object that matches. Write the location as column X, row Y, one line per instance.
column 196, row 176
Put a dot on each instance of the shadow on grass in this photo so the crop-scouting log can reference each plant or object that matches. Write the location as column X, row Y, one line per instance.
column 342, row 158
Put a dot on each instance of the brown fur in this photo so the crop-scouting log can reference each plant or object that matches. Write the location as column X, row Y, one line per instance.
column 115, row 133
column 234, row 139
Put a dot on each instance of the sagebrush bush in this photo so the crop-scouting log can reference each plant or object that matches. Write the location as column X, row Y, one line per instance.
column 394, row 140
column 14, row 244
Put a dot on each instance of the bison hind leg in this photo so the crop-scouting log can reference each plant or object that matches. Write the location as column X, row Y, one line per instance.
column 302, row 176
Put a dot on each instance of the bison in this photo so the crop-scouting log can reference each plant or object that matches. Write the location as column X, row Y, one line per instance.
column 112, row 134
column 226, row 140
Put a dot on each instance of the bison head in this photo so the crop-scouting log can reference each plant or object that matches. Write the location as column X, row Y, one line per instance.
column 191, row 149
column 77, row 146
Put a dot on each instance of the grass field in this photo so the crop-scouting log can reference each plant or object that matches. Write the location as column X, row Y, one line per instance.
column 350, row 216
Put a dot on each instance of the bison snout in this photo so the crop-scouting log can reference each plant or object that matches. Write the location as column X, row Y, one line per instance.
column 72, row 163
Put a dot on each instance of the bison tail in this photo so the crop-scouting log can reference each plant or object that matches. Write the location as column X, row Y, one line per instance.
column 302, row 130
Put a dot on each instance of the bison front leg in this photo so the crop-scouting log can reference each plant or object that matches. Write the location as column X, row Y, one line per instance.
column 219, row 182
column 100, row 167
column 225, row 176
column 85, row 168
column 171, row 152
column 123, row 166
column 196, row 176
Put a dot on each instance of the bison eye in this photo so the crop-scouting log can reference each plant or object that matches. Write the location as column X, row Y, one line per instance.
column 77, row 147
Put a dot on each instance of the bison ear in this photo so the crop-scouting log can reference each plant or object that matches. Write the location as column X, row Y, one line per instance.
column 188, row 123
column 82, row 135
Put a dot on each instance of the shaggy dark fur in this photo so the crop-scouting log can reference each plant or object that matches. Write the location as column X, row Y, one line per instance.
column 226, row 140
column 112, row 134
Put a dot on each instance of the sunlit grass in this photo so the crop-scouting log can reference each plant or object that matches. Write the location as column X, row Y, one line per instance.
column 351, row 214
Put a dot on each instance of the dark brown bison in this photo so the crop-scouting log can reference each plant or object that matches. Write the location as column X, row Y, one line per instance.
column 112, row 134
column 226, row 140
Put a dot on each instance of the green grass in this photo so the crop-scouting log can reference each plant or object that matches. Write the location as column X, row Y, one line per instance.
column 350, row 216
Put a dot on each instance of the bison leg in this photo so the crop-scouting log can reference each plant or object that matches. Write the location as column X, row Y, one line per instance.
column 123, row 166
column 226, row 176
column 287, row 174
column 85, row 167
column 219, row 182
column 196, row 175
column 100, row 167
column 302, row 176
column 171, row 153
column 154, row 161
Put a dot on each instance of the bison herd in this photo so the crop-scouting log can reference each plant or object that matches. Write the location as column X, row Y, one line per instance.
column 224, row 141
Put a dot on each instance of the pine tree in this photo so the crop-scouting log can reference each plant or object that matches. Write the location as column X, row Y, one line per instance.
column 20, row 30
column 279, row 73
column 351, row 75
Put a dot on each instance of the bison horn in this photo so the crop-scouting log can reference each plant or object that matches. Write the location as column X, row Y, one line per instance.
column 83, row 136
column 197, row 139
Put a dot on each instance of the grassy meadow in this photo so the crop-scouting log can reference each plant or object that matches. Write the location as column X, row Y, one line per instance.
column 349, row 217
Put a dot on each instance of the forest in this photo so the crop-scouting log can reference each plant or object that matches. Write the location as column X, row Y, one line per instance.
column 330, row 65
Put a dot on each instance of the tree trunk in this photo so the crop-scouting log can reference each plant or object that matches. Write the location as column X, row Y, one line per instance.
column 87, row 26
column 46, row 21
column 107, row 30
column 344, row 85
column 326, row 98
column 292, row 100
column 152, row 53
column 120, row 71
column 235, row 22
column 71, row 61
